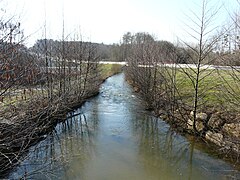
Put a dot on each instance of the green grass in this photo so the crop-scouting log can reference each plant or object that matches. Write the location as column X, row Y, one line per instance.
column 108, row 70
column 216, row 87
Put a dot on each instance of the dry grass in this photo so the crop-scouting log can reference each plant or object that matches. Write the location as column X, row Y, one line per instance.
column 18, row 95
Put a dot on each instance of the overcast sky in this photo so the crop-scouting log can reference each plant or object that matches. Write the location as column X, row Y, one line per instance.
column 107, row 20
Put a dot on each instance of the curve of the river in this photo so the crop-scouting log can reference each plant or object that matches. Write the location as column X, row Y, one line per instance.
column 114, row 138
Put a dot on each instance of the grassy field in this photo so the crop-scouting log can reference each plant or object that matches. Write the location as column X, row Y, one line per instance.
column 216, row 87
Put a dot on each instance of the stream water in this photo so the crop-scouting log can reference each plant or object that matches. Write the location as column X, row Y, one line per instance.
column 112, row 137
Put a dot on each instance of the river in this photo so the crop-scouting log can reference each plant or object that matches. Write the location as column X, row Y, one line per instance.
column 112, row 137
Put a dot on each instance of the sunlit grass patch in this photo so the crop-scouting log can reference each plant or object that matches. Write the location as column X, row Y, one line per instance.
column 216, row 87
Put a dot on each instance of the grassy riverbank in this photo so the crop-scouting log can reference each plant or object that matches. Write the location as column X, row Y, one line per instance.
column 171, row 94
column 28, row 114
column 108, row 70
column 18, row 95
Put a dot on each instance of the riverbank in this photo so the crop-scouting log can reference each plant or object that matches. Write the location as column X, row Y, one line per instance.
column 29, row 121
column 217, row 123
column 114, row 129
column 218, row 128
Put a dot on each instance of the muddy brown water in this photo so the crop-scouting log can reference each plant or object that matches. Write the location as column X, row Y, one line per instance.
column 114, row 138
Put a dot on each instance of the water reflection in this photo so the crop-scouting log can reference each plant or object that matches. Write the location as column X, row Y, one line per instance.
column 168, row 155
column 161, row 151
column 113, row 137
column 71, row 141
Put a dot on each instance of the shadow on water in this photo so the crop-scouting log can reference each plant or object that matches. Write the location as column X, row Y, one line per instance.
column 113, row 137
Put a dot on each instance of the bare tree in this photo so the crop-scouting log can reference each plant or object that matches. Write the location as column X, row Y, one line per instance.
column 201, row 54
